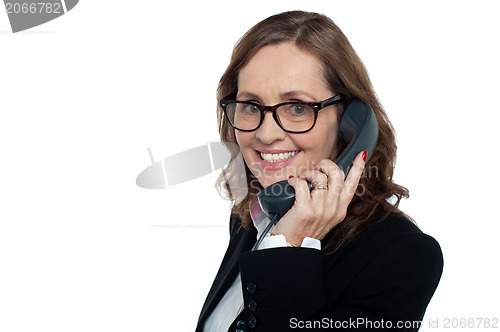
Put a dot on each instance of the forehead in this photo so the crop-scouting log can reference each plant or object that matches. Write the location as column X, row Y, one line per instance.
column 277, row 69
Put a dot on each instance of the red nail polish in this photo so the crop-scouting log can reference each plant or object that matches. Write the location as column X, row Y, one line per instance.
column 365, row 154
column 291, row 176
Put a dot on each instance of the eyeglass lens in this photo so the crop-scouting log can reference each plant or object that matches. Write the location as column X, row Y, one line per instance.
column 292, row 117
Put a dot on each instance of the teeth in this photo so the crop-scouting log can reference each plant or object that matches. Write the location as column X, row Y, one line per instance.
column 274, row 157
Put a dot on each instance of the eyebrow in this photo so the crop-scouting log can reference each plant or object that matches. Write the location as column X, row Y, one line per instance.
column 283, row 96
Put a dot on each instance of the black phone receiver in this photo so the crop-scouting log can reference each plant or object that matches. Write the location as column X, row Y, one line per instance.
column 358, row 129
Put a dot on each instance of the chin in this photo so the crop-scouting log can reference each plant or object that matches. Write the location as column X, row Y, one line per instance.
column 267, row 182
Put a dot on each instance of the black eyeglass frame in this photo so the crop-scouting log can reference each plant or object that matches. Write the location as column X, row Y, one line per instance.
column 316, row 106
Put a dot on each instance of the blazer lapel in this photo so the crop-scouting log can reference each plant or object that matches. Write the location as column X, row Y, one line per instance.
column 241, row 240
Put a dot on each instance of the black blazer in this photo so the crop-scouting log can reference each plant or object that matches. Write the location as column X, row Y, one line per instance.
column 383, row 278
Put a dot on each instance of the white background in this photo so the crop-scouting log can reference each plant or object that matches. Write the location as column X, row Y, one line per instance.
column 82, row 248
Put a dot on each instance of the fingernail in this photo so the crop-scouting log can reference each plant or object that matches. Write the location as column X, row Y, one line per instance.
column 291, row 176
column 365, row 154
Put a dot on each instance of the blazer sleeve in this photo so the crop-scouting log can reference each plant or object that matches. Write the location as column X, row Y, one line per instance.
column 284, row 288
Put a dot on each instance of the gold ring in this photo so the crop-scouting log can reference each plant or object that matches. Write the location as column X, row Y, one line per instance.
column 319, row 186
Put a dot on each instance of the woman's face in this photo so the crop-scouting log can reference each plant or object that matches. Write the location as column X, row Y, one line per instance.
column 276, row 74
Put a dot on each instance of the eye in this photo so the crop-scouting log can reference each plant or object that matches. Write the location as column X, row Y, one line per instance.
column 298, row 109
column 250, row 108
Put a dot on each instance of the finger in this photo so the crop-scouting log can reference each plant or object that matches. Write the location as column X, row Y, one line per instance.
column 301, row 190
column 317, row 176
column 334, row 174
column 352, row 180
column 314, row 176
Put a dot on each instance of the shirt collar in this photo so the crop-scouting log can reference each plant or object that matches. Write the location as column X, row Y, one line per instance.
column 259, row 218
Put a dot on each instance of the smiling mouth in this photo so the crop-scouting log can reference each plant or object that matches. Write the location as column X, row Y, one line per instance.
column 275, row 157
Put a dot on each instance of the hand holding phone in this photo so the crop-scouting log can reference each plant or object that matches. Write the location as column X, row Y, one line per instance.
column 315, row 212
column 359, row 130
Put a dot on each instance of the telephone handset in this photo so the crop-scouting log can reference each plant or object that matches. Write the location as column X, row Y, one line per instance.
column 358, row 129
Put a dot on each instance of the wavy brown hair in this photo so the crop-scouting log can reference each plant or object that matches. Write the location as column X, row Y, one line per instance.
column 345, row 74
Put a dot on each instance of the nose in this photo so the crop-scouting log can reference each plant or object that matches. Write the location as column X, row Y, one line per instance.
column 269, row 131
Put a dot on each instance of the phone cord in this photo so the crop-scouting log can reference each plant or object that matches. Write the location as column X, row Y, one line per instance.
column 268, row 228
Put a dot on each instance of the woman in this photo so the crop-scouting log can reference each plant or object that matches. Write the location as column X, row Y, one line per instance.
column 343, row 256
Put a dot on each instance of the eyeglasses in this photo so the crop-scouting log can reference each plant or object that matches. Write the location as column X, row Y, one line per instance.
column 291, row 116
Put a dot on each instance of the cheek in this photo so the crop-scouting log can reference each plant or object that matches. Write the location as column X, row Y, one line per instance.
column 307, row 142
column 330, row 133
column 244, row 141
column 321, row 143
